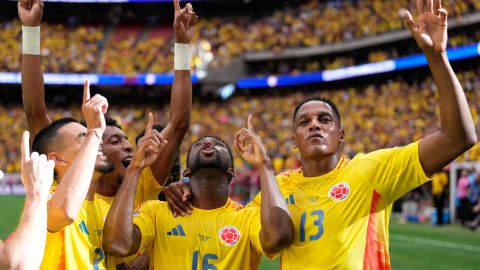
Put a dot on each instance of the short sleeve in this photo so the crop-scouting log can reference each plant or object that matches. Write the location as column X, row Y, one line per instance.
column 255, row 227
column 145, row 219
column 147, row 188
column 393, row 172
column 256, row 201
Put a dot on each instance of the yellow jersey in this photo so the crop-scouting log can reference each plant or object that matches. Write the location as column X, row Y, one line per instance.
column 222, row 238
column 79, row 245
column 341, row 218
column 147, row 188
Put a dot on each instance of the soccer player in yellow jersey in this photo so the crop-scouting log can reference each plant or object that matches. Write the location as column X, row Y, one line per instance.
column 115, row 144
column 75, row 216
column 118, row 149
column 341, row 208
column 77, row 154
column 215, row 235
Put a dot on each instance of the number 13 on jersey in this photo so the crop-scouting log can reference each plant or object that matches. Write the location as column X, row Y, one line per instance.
column 315, row 218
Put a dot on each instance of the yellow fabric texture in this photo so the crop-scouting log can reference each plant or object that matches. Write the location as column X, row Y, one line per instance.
column 79, row 245
column 222, row 238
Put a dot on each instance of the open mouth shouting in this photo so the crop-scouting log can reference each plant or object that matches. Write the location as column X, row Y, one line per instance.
column 126, row 161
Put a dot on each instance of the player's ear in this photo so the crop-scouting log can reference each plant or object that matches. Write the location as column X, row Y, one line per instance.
column 295, row 146
column 187, row 173
column 342, row 136
column 231, row 173
column 57, row 159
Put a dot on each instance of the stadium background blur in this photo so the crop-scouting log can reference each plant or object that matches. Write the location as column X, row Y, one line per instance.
column 267, row 38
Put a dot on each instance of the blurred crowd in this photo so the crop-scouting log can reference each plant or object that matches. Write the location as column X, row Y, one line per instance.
column 64, row 50
column 468, row 197
column 432, row 200
column 401, row 113
column 352, row 58
column 315, row 23
column 115, row 49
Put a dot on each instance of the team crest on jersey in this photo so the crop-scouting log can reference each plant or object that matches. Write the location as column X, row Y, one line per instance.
column 339, row 192
column 229, row 235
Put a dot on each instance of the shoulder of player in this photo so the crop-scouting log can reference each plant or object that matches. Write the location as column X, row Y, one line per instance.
column 381, row 155
column 241, row 216
column 146, row 176
column 152, row 204
column 234, row 208
column 235, row 205
column 283, row 180
column 286, row 176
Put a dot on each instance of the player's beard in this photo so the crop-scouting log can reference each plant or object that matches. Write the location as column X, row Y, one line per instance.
column 104, row 166
column 215, row 162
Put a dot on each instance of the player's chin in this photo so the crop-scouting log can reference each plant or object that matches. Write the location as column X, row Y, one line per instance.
column 104, row 166
column 316, row 150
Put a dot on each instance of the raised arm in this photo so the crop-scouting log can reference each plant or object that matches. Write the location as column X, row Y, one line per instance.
column 25, row 249
column 277, row 224
column 72, row 190
column 457, row 133
column 30, row 13
column 120, row 236
column 181, row 97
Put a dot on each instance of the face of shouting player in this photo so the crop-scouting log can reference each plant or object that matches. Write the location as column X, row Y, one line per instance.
column 117, row 149
column 317, row 132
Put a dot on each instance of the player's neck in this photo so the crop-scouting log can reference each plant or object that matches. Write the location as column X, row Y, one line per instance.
column 108, row 185
column 313, row 167
column 209, row 189
column 93, row 186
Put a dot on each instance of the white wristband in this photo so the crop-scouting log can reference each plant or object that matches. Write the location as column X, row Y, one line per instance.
column 31, row 40
column 182, row 56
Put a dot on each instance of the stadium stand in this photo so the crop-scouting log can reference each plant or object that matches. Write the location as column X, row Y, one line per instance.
column 136, row 47
column 402, row 113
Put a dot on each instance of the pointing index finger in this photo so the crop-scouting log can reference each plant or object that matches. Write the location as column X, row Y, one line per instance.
column 249, row 124
column 149, row 128
column 176, row 5
column 86, row 91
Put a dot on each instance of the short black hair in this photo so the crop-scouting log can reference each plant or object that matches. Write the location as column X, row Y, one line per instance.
column 322, row 99
column 109, row 121
column 216, row 138
column 47, row 136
